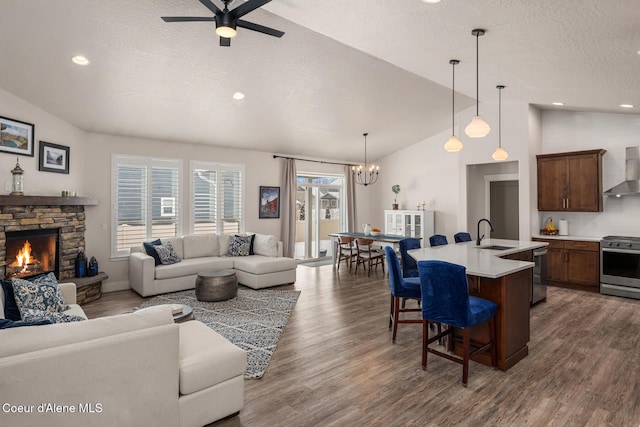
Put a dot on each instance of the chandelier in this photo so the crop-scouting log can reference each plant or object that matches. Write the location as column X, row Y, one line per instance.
column 365, row 175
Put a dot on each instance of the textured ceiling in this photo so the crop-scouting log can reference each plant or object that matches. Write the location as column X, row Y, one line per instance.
column 342, row 68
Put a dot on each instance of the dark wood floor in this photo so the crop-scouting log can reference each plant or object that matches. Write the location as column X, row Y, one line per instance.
column 335, row 364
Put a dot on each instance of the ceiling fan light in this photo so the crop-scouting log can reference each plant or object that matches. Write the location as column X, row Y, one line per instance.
column 477, row 128
column 500, row 154
column 453, row 144
column 226, row 32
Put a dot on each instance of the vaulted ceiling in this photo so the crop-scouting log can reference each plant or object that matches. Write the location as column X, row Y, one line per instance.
column 342, row 68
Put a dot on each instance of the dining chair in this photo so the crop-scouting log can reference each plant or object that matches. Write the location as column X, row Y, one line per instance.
column 462, row 236
column 367, row 255
column 438, row 240
column 346, row 250
column 402, row 288
column 409, row 266
column 446, row 300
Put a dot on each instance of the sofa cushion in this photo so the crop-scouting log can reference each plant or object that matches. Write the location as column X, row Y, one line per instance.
column 11, row 310
column 258, row 264
column 200, row 245
column 177, row 244
column 150, row 249
column 31, row 315
column 42, row 295
column 167, row 254
column 206, row 358
column 265, row 244
column 24, row 340
column 240, row 245
column 223, row 243
column 192, row 266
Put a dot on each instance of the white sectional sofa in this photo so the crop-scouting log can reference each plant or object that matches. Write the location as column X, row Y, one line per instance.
column 135, row 369
column 267, row 267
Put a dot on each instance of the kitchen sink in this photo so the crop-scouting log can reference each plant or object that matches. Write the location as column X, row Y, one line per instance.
column 497, row 247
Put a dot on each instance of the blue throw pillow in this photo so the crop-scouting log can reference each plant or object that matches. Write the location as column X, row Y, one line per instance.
column 35, row 316
column 7, row 323
column 11, row 310
column 45, row 296
column 150, row 249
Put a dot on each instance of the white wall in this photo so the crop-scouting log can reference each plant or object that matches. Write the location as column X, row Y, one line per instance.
column 574, row 131
column 50, row 129
column 425, row 171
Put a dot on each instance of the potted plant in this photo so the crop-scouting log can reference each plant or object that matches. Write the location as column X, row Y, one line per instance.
column 396, row 190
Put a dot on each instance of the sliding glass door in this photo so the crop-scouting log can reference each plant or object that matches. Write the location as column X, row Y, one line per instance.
column 320, row 212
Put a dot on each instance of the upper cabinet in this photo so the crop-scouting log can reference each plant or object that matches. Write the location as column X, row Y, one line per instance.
column 570, row 181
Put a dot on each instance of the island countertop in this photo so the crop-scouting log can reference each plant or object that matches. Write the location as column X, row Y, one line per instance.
column 478, row 261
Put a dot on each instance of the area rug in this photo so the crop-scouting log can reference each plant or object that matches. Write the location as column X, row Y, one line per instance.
column 253, row 321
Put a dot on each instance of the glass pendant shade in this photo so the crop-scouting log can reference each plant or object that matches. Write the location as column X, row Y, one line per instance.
column 453, row 144
column 500, row 154
column 477, row 128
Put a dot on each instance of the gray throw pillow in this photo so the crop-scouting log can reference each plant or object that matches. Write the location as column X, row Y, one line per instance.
column 167, row 254
column 240, row 245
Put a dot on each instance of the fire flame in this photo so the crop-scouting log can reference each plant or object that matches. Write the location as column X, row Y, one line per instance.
column 24, row 255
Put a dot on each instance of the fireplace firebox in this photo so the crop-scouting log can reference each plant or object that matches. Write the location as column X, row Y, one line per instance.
column 32, row 252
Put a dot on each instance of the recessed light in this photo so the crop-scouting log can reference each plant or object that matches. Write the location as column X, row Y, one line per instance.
column 238, row 95
column 80, row 60
column 626, row 105
column 431, row 1
column 559, row 104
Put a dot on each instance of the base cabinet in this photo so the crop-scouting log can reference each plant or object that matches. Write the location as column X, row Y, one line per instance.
column 573, row 264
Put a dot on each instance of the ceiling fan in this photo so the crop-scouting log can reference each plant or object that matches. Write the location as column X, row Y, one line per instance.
column 227, row 20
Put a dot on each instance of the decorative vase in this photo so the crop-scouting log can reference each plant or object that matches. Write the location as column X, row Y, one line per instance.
column 394, row 206
column 367, row 229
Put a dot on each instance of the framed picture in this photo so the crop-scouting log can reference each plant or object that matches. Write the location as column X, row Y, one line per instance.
column 16, row 137
column 53, row 158
column 269, row 202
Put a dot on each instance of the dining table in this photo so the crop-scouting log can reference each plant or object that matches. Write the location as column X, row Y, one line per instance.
column 385, row 239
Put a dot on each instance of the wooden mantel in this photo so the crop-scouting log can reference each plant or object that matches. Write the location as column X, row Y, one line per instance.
column 47, row 201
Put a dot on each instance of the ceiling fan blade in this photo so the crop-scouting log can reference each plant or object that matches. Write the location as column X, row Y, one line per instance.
column 247, row 7
column 225, row 42
column 211, row 6
column 259, row 28
column 187, row 19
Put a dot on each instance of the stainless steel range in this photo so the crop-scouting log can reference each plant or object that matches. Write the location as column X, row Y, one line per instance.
column 620, row 266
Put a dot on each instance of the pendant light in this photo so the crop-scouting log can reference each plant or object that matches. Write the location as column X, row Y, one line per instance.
column 365, row 176
column 477, row 128
column 500, row 154
column 453, row 144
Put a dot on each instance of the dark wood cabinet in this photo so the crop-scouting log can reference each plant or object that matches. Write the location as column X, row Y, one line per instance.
column 573, row 264
column 570, row 181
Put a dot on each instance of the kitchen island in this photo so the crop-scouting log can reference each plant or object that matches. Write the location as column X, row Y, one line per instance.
column 501, row 271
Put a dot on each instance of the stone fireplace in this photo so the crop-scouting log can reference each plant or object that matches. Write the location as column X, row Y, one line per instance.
column 44, row 216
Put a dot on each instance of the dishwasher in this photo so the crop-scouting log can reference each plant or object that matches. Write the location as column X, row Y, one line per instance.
column 539, row 282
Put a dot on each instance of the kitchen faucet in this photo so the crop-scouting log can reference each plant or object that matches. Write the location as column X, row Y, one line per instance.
column 478, row 239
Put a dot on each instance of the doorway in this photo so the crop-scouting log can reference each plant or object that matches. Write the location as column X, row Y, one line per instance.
column 320, row 212
column 503, row 208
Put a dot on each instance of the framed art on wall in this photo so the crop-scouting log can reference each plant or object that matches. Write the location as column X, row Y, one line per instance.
column 269, row 202
column 53, row 158
column 16, row 137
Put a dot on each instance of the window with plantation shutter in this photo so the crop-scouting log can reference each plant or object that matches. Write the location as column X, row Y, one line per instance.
column 146, row 201
column 218, row 198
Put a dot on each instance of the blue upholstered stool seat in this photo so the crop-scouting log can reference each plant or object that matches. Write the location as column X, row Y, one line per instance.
column 401, row 288
column 409, row 265
column 462, row 236
column 438, row 240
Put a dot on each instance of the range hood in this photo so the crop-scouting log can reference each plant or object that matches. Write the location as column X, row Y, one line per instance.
column 631, row 185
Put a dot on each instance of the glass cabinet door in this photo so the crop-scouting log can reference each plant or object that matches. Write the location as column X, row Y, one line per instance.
column 417, row 225
column 407, row 225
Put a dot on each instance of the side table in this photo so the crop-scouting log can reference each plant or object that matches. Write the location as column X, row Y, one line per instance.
column 216, row 285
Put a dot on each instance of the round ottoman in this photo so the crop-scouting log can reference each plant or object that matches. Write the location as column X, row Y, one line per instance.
column 216, row 285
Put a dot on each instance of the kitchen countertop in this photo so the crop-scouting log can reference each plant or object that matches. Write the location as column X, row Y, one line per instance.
column 558, row 237
column 481, row 262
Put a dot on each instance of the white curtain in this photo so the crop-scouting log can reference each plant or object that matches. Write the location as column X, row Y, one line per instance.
column 288, row 207
column 350, row 186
